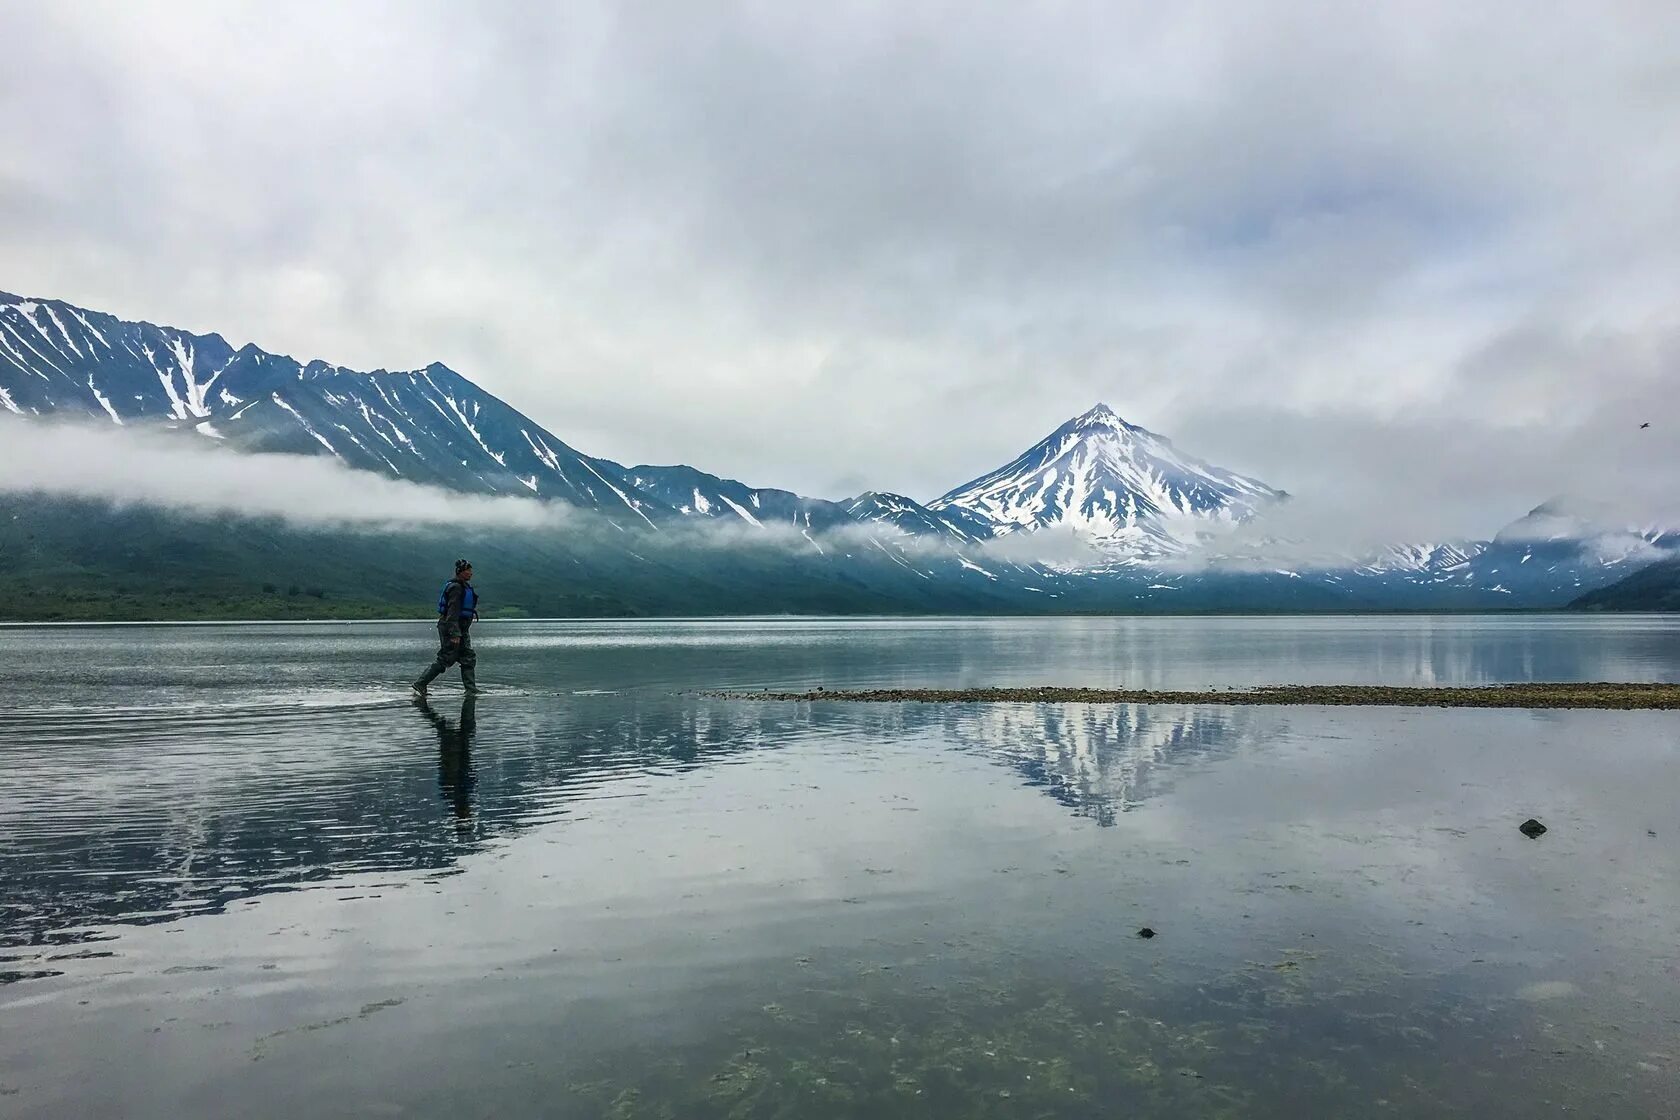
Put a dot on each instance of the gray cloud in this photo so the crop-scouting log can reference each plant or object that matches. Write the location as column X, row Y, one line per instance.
column 1420, row 261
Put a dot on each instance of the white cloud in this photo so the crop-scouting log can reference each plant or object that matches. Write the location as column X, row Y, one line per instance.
column 181, row 470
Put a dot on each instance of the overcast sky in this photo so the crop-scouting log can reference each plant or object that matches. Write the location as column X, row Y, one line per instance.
column 1421, row 259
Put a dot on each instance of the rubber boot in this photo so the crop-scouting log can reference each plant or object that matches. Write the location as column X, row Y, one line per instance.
column 469, row 678
column 426, row 678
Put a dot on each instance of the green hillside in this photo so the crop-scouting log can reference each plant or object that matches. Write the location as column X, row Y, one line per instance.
column 86, row 560
column 83, row 560
column 1655, row 587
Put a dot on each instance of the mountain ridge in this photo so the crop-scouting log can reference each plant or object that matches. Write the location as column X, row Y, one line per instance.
column 248, row 398
column 1142, row 503
column 433, row 425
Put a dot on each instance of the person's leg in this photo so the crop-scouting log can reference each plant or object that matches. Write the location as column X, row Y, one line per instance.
column 440, row 664
column 469, row 663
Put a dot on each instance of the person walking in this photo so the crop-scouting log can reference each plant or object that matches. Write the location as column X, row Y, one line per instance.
column 457, row 608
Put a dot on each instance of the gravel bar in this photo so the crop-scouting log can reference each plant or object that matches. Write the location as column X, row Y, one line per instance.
column 1603, row 694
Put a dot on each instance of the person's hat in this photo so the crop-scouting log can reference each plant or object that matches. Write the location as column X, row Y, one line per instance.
column 462, row 565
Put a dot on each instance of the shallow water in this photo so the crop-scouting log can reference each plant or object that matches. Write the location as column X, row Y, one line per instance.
column 242, row 875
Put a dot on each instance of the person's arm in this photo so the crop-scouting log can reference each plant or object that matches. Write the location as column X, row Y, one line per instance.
column 452, row 597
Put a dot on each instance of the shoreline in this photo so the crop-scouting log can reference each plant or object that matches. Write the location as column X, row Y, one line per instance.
column 401, row 612
column 1604, row 695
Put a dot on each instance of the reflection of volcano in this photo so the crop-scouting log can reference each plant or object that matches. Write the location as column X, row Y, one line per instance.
column 260, row 801
column 1098, row 759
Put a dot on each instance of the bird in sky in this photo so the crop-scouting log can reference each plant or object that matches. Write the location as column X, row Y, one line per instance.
column 1647, row 424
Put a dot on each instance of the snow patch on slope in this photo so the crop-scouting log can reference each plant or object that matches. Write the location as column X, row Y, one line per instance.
column 321, row 439
column 104, row 401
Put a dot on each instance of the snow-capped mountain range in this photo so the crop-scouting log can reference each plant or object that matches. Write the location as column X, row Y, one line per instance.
column 1136, row 499
column 428, row 425
column 1127, row 489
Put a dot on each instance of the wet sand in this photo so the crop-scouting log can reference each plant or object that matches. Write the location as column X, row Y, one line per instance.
column 1605, row 694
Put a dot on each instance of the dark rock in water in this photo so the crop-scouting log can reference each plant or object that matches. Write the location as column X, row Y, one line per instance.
column 1532, row 828
column 1146, row 933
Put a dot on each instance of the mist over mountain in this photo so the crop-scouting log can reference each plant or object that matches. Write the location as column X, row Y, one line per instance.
column 1100, row 514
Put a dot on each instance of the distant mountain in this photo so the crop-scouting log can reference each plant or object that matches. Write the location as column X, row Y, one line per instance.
column 429, row 425
column 1562, row 548
column 695, row 493
column 1140, row 523
column 912, row 518
column 1655, row 587
column 1435, row 560
column 1125, row 488
column 1547, row 557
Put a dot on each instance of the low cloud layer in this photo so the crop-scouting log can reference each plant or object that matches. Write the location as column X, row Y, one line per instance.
column 180, row 470
column 183, row 471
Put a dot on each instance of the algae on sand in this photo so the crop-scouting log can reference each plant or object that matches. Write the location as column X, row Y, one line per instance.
column 1008, row 1045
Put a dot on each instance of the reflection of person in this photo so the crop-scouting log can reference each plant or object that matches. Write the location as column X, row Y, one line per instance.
column 455, row 776
column 457, row 608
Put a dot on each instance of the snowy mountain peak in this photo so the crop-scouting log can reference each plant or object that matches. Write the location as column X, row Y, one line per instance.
column 1122, row 486
column 1098, row 415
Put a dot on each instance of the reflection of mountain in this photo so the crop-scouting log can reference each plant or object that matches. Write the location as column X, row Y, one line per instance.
column 1099, row 760
column 113, row 813
column 239, row 805
column 220, row 808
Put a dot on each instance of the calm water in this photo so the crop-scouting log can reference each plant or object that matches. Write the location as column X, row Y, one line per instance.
column 241, row 874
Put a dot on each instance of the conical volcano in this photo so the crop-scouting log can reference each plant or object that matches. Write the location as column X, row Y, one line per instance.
column 1125, row 488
